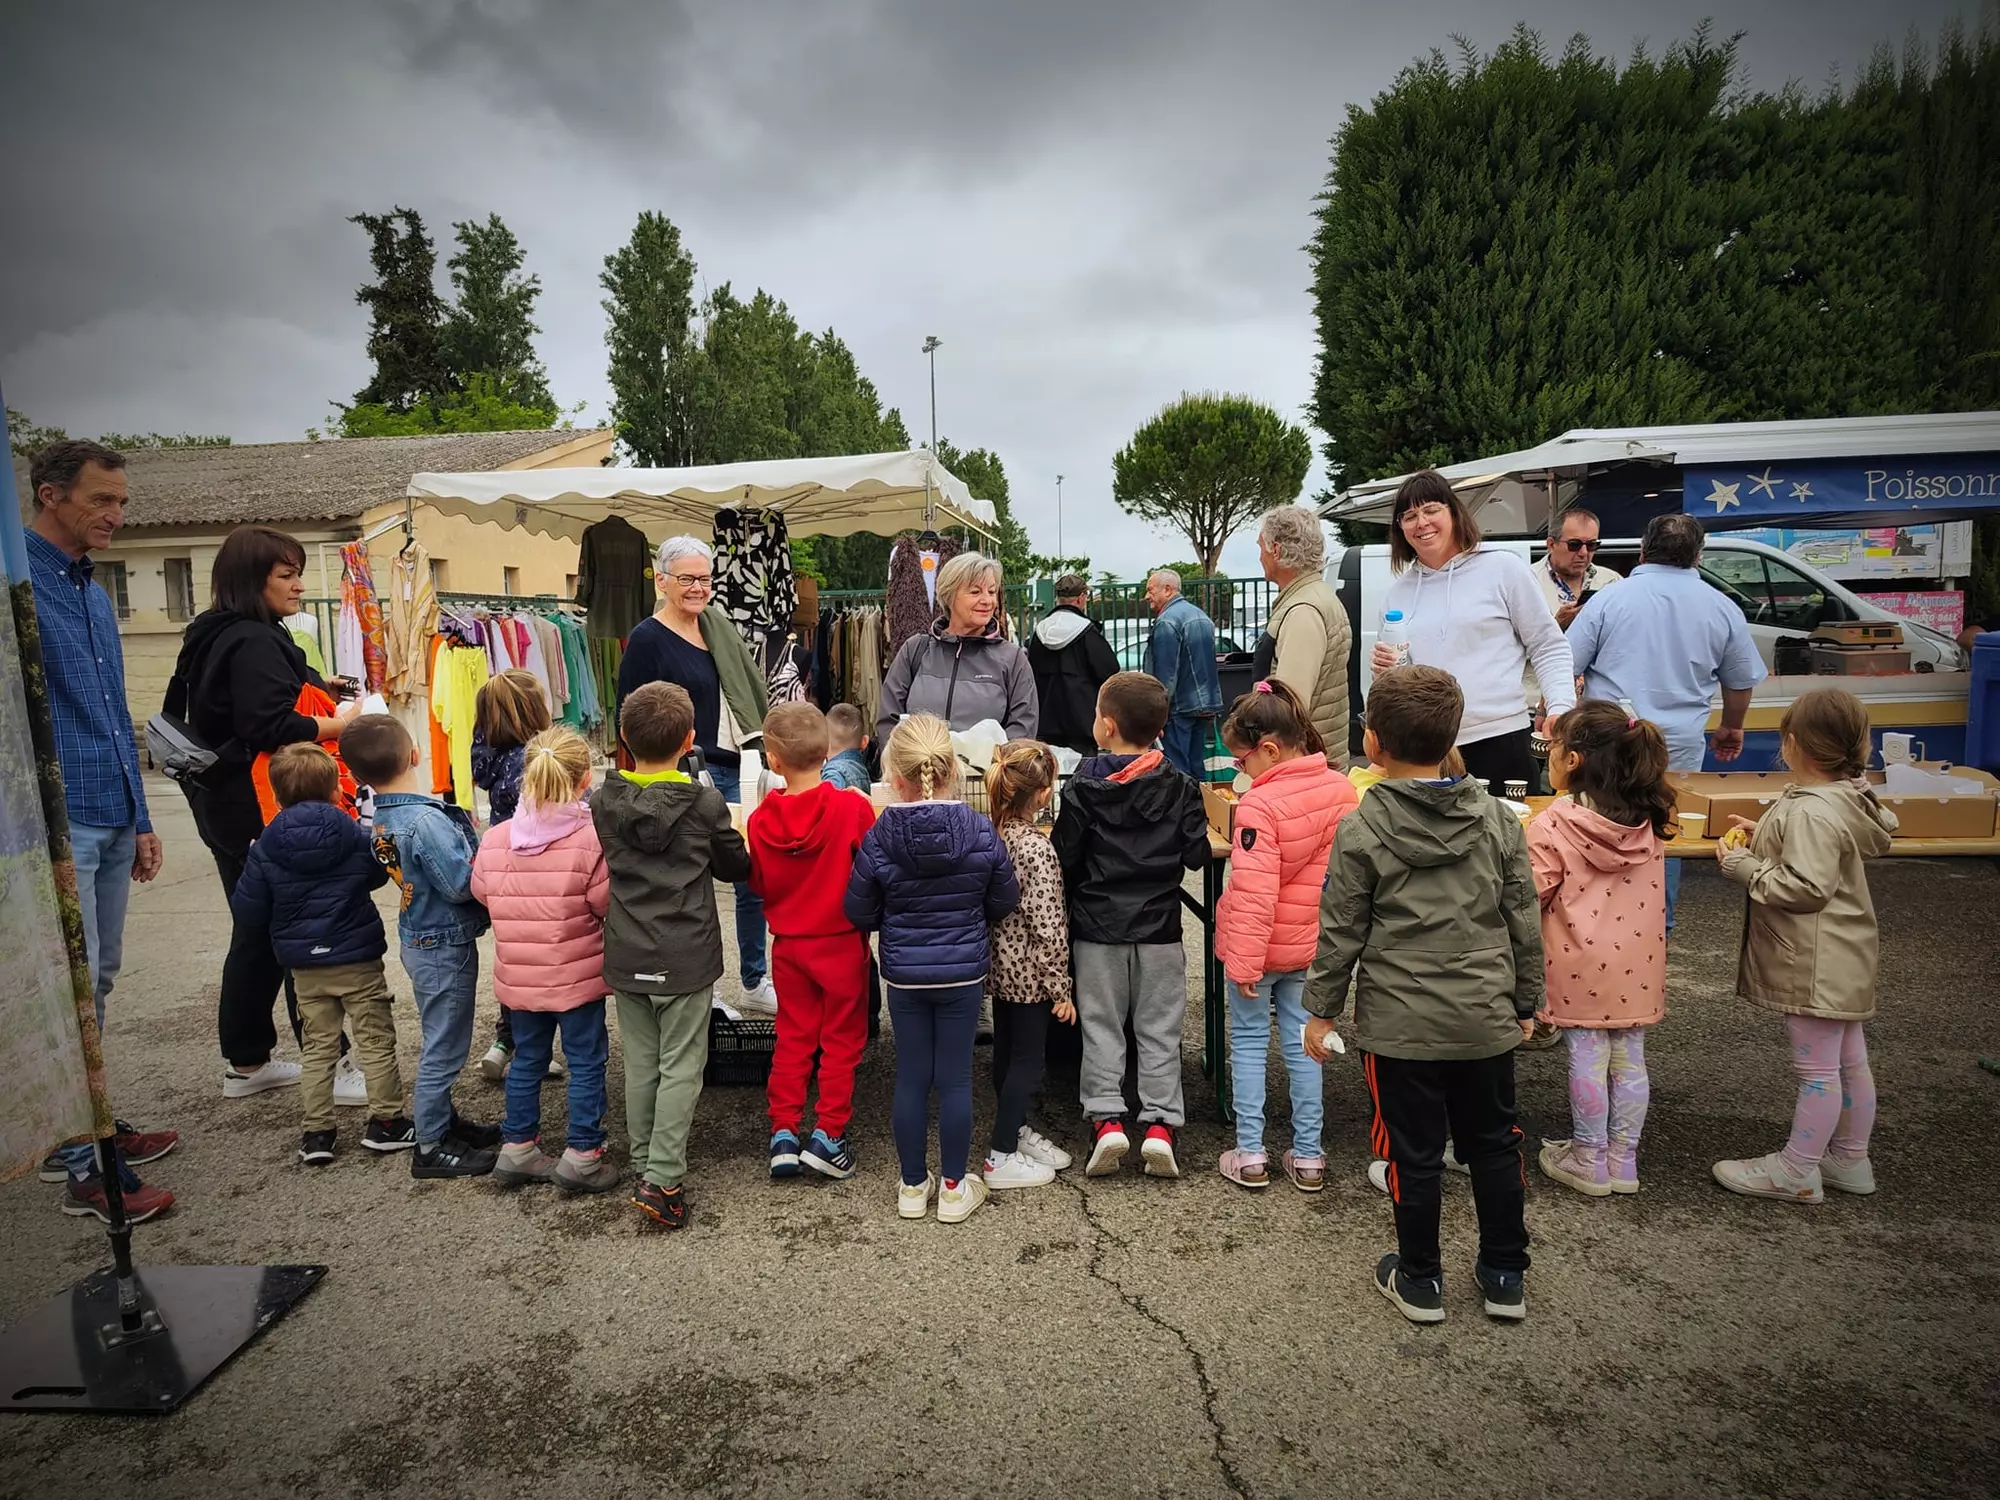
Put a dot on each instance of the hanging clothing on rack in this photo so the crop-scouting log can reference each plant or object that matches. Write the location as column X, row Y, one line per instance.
column 913, row 570
column 614, row 577
column 360, row 620
column 304, row 628
column 461, row 673
column 754, row 582
column 787, row 667
column 413, row 616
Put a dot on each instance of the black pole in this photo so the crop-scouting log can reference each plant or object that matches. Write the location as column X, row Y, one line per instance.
column 120, row 1234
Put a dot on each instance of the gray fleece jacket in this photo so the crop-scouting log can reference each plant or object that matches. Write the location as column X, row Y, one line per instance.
column 961, row 679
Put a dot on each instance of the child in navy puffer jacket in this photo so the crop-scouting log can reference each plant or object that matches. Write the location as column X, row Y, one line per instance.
column 309, row 880
column 931, row 876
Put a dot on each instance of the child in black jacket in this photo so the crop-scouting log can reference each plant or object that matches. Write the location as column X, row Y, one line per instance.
column 1130, row 827
column 309, row 880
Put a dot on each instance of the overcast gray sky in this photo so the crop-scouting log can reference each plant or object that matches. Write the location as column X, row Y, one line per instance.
column 1095, row 206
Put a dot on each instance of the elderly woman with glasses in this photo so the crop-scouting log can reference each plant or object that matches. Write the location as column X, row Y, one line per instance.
column 1476, row 612
column 963, row 670
column 690, row 642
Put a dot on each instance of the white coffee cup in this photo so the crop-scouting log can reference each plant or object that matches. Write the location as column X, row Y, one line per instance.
column 1899, row 749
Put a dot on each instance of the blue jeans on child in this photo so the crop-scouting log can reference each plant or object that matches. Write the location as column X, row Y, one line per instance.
column 749, row 905
column 1249, row 1050
column 586, row 1046
column 934, row 1031
column 445, row 978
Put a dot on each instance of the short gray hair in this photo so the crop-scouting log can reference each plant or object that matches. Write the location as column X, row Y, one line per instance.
column 1167, row 576
column 1295, row 536
column 958, row 571
column 674, row 548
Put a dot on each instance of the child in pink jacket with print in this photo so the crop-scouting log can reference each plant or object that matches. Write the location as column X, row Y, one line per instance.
column 1600, row 869
column 541, row 876
column 1267, row 927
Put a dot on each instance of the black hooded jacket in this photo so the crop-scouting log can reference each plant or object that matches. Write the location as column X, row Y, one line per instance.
column 1124, row 849
column 243, row 677
column 1071, row 660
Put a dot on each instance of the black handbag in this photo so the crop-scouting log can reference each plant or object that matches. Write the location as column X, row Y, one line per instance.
column 176, row 748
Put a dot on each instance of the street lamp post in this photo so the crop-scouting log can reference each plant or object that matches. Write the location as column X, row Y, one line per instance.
column 931, row 348
column 1059, row 539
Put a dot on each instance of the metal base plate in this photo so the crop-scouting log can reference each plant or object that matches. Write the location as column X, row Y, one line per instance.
column 72, row 1355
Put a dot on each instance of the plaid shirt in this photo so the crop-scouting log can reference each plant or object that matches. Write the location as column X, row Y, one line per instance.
column 84, row 666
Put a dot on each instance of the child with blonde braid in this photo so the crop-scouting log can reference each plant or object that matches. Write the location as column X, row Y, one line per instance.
column 542, row 877
column 1599, row 857
column 1810, row 946
column 1030, row 980
column 931, row 876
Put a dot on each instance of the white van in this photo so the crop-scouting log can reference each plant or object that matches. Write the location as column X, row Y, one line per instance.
column 1780, row 597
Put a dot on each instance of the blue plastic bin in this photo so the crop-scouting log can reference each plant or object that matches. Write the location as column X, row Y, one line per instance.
column 1982, row 709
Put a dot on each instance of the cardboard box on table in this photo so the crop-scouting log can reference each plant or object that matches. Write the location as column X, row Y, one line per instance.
column 1717, row 796
column 1220, row 804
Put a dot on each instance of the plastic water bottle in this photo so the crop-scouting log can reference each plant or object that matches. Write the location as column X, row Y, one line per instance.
column 750, row 776
column 1395, row 636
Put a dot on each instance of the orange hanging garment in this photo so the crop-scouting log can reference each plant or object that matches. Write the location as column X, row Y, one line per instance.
column 314, row 704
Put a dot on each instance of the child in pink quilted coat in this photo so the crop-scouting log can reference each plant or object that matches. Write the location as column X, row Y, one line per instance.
column 1600, row 869
column 541, row 875
column 1267, row 926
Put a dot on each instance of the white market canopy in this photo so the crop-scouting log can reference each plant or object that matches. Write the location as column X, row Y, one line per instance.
column 1516, row 493
column 882, row 493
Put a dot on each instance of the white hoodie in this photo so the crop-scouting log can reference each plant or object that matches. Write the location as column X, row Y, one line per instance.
column 1482, row 618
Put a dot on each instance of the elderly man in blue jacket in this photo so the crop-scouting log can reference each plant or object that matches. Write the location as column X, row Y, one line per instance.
column 1181, row 654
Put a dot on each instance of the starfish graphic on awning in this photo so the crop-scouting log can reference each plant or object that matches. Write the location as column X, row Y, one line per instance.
column 1723, row 495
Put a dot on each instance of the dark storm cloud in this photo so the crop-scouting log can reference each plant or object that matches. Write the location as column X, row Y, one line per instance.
column 1096, row 205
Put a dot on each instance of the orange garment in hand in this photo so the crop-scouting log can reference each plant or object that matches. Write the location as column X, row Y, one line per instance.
column 314, row 704
column 440, row 741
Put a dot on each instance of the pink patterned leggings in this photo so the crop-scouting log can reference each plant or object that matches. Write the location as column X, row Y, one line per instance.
column 1836, row 1108
column 1608, row 1091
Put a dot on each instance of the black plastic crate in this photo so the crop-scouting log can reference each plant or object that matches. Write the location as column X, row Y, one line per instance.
column 739, row 1052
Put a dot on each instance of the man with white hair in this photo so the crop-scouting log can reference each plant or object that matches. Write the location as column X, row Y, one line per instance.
column 1306, row 642
column 1181, row 654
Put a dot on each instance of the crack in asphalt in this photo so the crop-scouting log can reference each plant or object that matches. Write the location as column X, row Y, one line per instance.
column 1102, row 1239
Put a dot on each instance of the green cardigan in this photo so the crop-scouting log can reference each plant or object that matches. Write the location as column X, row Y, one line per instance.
column 742, row 679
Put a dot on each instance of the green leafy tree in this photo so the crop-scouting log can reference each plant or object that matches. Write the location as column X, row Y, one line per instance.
column 1207, row 465
column 406, row 313
column 986, row 477
column 484, row 406
column 27, row 438
column 656, row 391
column 490, row 328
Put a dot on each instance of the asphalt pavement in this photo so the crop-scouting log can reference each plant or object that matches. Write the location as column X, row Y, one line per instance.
column 1104, row 1337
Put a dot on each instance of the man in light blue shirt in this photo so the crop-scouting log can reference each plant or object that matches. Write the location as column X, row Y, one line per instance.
column 1664, row 641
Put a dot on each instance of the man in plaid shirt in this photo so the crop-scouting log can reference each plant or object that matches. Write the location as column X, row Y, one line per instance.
column 79, row 506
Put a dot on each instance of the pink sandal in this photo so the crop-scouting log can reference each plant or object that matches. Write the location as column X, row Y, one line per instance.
column 1250, row 1169
column 1308, row 1173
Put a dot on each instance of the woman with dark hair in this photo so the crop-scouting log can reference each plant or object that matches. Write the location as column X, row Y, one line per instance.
column 239, row 676
column 1478, row 613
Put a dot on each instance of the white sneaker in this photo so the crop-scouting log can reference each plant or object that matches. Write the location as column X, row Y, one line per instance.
column 915, row 1202
column 350, row 1084
column 555, row 1066
column 727, row 1011
column 955, row 1205
column 493, row 1066
column 273, row 1075
column 1378, row 1175
column 1857, row 1177
column 1038, row 1147
column 1451, row 1161
column 1016, row 1169
column 761, row 1001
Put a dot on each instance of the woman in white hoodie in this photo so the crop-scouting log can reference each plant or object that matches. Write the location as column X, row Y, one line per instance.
column 1477, row 613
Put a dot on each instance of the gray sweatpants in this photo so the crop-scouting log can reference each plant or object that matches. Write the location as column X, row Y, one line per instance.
column 1147, row 982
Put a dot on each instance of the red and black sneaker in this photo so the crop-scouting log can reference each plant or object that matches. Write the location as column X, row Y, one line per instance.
column 664, row 1206
column 136, row 1147
column 85, row 1199
column 1158, row 1151
column 1107, row 1149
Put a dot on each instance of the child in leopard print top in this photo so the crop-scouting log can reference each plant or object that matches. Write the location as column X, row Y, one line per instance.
column 1029, row 974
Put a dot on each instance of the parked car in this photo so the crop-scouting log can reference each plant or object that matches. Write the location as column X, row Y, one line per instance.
column 1132, row 655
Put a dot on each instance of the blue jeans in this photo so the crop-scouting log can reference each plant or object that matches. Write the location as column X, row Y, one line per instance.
column 1673, row 889
column 1185, row 743
column 445, row 979
column 586, row 1046
column 749, row 905
column 1250, row 1046
column 934, row 1030
column 103, row 891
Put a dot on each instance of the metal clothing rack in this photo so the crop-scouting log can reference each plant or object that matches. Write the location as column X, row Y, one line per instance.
column 508, row 603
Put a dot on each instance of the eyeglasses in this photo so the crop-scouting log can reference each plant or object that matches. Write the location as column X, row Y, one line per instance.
column 1431, row 511
column 690, row 580
column 1576, row 544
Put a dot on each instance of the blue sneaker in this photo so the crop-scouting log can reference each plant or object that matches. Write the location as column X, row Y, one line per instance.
column 829, row 1156
column 784, row 1154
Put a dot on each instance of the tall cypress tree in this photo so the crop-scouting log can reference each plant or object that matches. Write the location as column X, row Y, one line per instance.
column 406, row 310
column 655, row 391
column 490, row 330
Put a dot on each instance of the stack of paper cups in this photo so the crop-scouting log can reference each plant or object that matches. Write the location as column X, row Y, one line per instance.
column 752, row 774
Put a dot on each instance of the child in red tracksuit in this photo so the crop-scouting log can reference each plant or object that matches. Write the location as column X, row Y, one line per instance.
column 802, row 842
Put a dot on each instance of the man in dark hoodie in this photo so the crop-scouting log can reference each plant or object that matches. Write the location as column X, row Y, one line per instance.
column 1130, row 827
column 1430, row 893
column 1071, row 661
column 667, row 840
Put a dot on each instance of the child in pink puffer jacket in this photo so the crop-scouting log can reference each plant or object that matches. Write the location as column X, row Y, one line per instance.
column 1267, row 926
column 541, row 876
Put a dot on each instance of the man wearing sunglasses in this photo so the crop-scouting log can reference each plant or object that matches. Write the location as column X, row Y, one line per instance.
column 1570, row 573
